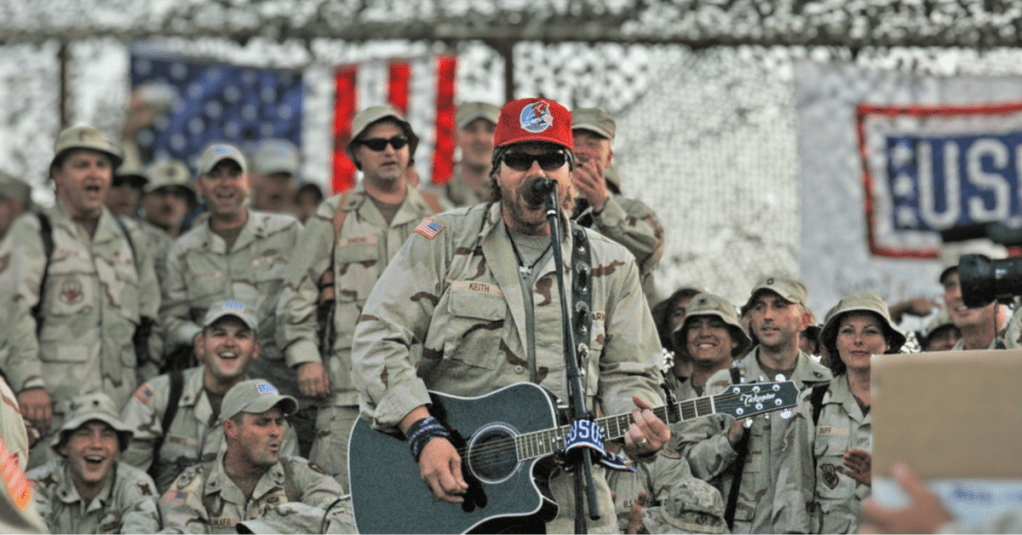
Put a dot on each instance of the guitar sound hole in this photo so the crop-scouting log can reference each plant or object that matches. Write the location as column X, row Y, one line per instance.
column 491, row 454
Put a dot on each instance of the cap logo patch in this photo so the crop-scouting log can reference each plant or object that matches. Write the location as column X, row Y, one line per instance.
column 770, row 281
column 234, row 305
column 266, row 388
column 536, row 117
column 222, row 149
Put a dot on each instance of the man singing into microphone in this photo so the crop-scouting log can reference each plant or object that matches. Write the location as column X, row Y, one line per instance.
column 476, row 287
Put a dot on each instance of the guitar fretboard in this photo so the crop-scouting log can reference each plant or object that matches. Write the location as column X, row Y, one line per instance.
column 543, row 443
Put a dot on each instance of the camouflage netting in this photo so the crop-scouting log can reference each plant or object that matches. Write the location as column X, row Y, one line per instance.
column 702, row 90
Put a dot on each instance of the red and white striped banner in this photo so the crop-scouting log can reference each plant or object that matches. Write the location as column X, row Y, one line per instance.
column 422, row 88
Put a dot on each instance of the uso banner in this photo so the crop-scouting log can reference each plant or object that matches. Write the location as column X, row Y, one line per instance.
column 890, row 159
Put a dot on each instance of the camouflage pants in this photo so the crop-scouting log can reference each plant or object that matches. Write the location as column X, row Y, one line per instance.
column 330, row 449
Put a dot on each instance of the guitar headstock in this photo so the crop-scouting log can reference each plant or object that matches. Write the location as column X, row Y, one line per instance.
column 744, row 400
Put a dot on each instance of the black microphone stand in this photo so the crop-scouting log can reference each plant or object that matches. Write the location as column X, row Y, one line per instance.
column 583, row 463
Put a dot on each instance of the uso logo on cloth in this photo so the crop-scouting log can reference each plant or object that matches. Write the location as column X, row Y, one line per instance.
column 266, row 388
column 536, row 117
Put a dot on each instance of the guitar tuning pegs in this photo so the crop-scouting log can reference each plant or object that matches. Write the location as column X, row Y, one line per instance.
column 780, row 377
column 776, row 387
column 786, row 414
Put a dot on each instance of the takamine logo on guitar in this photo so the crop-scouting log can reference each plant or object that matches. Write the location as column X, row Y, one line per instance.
column 750, row 399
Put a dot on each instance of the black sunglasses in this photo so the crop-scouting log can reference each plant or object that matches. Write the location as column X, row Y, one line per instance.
column 379, row 144
column 548, row 161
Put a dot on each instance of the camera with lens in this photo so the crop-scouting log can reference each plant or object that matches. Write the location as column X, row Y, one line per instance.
column 983, row 280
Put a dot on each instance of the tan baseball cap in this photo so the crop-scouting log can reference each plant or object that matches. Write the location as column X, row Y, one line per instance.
column 12, row 187
column 168, row 173
column 470, row 111
column 256, row 396
column 86, row 137
column 94, row 406
column 691, row 506
column 707, row 304
column 133, row 174
column 860, row 302
column 365, row 118
column 217, row 153
column 789, row 289
column 276, row 156
column 594, row 120
column 231, row 307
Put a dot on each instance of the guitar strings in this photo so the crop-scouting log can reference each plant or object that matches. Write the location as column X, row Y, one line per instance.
column 493, row 453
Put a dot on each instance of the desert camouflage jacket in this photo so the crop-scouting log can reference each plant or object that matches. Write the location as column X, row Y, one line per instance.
column 360, row 254
column 456, row 289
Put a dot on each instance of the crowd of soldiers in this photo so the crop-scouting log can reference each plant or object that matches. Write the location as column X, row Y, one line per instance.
column 191, row 355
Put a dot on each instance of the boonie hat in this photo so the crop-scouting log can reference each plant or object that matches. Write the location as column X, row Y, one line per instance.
column 789, row 289
column 217, row 153
column 12, row 187
column 255, row 396
column 470, row 111
column 169, row 173
column 860, row 302
column 231, row 307
column 276, row 156
column 94, row 406
column 707, row 304
column 594, row 120
column 692, row 506
column 365, row 118
column 534, row 119
column 86, row 137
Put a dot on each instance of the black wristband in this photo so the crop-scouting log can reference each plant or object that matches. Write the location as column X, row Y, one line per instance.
column 422, row 431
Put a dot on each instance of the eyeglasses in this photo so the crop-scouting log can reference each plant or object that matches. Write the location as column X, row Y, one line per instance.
column 522, row 161
column 379, row 144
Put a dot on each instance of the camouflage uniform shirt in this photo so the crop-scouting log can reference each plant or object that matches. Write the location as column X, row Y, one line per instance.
column 94, row 298
column 126, row 504
column 205, row 500
column 655, row 476
column 777, row 483
column 842, row 427
column 196, row 434
column 632, row 224
column 360, row 254
column 201, row 270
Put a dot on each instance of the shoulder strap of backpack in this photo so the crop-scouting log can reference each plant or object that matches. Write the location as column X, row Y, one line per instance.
column 46, row 234
column 326, row 280
column 432, row 201
column 738, row 467
column 290, row 489
column 816, row 400
column 127, row 236
column 177, row 383
column 736, row 375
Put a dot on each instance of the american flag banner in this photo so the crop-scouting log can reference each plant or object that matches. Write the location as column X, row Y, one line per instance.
column 888, row 160
column 422, row 88
column 215, row 102
column 220, row 102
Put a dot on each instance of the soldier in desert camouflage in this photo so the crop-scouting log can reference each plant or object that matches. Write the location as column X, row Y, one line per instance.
column 71, row 317
column 342, row 252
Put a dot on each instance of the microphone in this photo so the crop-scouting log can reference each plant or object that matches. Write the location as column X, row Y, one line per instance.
column 539, row 189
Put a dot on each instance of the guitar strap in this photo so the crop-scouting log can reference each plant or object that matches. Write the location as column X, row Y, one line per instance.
column 738, row 467
column 581, row 297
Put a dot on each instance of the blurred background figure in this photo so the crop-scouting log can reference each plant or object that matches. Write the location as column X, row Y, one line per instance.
column 126, row 190
column 471, row 182
column 307, row 199
column 168, row 196
column 274, row 176
column 940, row 334
column 15, row 199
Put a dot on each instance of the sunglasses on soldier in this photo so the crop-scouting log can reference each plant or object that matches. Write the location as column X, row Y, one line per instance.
column 522, row 161
column 379, row 144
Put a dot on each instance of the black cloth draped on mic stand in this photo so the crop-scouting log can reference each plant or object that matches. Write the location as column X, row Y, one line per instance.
column 546, row 189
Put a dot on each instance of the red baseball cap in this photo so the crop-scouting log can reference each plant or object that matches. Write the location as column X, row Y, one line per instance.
column 534, row 119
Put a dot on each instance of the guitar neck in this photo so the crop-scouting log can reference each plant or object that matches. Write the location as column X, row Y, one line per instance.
column 543, row 443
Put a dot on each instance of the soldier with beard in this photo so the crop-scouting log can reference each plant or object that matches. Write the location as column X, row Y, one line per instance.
column 475, row 286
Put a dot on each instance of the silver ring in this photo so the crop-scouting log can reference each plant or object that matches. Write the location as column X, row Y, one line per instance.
column 644, row 441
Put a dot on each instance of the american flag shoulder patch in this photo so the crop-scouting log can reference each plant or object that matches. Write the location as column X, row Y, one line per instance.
column 144, row 393
column 174, row 496
column 429, row 228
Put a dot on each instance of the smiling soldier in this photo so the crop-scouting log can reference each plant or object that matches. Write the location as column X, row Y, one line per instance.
column 87, row 490
column 179, row 425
